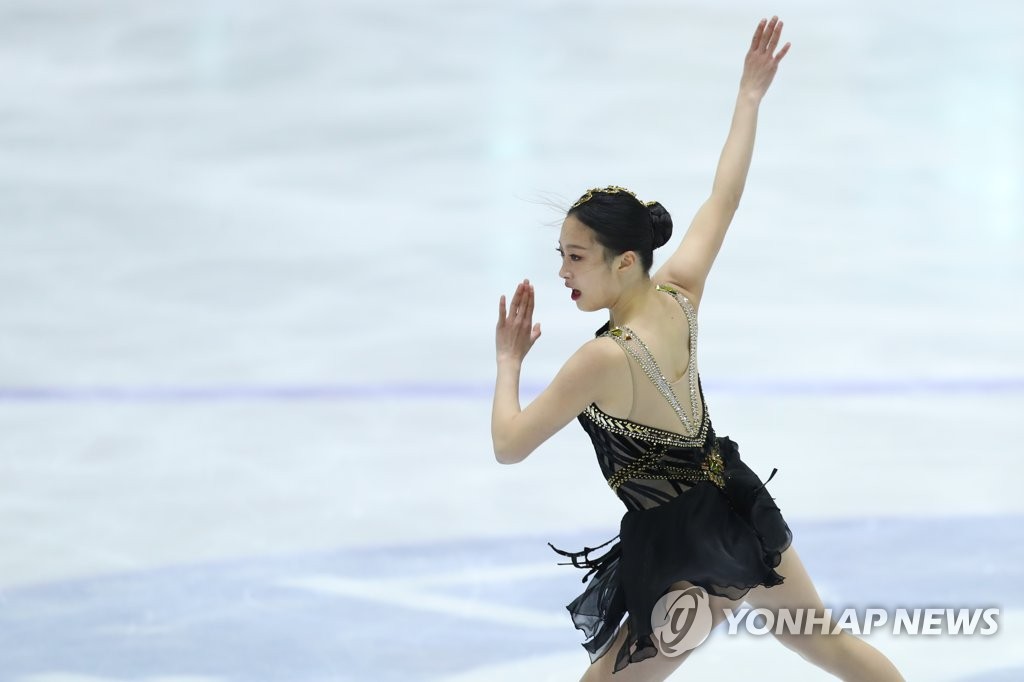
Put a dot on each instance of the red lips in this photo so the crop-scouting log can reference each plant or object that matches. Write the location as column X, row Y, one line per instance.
column 576, row 294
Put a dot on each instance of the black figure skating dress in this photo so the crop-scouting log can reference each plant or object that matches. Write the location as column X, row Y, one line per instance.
column 695, row 512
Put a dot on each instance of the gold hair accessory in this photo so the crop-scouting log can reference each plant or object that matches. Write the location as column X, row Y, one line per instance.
column 610, row 189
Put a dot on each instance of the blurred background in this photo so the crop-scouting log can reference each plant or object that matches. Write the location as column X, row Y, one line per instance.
column 250, row 261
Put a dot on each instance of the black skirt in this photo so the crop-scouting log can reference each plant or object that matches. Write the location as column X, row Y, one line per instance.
column 726, row 540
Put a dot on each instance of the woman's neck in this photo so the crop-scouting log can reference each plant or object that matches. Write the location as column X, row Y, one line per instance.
column 632, row 303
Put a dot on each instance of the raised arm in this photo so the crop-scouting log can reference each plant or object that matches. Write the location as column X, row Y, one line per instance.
column 689, row 266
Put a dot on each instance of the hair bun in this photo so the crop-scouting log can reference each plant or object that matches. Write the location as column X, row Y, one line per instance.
column 662, row 223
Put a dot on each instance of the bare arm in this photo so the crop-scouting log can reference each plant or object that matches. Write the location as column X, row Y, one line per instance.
column 691, row 263
column 516, row 432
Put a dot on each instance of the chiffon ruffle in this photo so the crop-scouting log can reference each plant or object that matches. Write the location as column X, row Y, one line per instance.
column 726, row 540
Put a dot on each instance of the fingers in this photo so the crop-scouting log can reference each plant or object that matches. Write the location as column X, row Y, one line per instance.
column 766, row 40
column 758, row 32
column 524, row 302
column 529, row 302
column 521, row 308
column 766, row 36
column 516, row 330
column 776, row 34
column 513, row 309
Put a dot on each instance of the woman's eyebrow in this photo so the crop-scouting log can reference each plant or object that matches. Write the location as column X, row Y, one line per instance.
column 575, row 246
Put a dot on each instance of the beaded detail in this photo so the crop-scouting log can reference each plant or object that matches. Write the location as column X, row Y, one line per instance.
column 649, row 466
column 625, row 427
column 643, row 356
column 610, row 189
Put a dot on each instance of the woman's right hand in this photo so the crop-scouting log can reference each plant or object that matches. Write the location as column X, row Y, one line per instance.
column 761, row 63
column 516, row 333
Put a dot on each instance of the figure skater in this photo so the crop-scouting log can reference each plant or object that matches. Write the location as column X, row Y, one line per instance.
column 697, row 516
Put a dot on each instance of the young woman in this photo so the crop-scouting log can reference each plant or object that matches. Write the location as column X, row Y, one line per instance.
column 696, row 514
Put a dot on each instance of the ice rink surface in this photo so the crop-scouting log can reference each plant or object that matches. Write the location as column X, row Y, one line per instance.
column 250, row 260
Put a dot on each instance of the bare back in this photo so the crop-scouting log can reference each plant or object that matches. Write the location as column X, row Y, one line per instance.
column 672, row 344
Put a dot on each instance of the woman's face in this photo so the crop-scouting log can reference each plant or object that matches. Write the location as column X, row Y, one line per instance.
column 584, row 269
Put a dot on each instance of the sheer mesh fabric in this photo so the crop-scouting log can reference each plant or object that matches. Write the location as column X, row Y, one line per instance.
column 617, row 450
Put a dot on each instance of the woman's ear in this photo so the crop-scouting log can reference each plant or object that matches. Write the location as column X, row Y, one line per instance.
column 627, row 259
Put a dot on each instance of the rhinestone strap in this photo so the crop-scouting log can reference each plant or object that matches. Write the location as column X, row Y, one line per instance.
column 622, row 335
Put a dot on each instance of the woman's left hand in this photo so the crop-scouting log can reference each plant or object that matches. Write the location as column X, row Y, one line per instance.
column 516, row 333
column 762, row 61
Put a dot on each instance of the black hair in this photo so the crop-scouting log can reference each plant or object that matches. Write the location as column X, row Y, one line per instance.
column 621, row 223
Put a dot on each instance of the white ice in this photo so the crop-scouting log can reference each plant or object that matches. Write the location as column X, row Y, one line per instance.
column 250, row 261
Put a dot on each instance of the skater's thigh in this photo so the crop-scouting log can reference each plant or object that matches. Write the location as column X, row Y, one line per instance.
column 820, row 646
column 659, row 667
column 796, row 591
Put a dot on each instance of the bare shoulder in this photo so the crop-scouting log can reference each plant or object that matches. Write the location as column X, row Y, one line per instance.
column 605, row 361
column 601, row 354
column 692, row 297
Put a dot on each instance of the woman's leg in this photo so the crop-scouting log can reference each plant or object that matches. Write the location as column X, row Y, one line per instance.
column 658, row 667
column 844, row 655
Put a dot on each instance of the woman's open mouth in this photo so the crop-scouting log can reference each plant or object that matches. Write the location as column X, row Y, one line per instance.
column 575, row 294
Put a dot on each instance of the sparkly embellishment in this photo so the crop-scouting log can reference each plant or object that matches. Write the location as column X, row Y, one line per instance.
column 650, row 467
column 634, row 469
column 610, row 189
column 645, row 359
column 650, row 434
column 714, row 465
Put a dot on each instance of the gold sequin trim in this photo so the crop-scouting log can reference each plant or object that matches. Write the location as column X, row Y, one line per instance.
column 625, row 427
column 634, row 469
column 712, row 468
